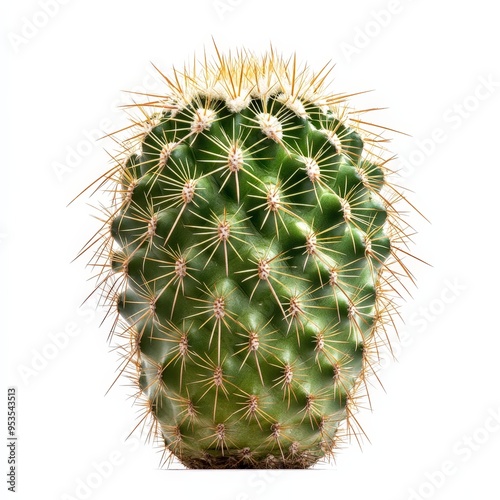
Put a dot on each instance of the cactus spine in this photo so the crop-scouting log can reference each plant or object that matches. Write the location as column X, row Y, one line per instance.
column 251, row 252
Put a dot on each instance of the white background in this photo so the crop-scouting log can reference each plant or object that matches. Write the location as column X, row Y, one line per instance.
column 435, row 427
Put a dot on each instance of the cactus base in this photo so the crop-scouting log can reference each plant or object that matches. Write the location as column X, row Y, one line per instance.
column 244, row 460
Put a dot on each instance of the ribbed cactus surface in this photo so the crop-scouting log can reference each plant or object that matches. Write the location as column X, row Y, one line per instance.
column 250, row 253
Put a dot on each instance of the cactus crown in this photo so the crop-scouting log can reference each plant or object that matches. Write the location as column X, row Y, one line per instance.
column 251, row 252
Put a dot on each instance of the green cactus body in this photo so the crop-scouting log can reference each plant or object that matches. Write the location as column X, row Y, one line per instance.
column 248, row 254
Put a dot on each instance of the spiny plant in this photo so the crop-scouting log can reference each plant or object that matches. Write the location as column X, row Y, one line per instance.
column 251, row 252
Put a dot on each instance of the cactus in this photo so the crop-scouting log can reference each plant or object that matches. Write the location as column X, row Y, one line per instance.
column 252, row 254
